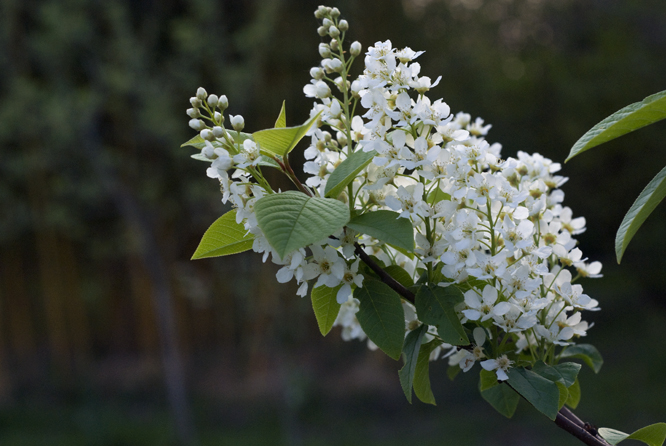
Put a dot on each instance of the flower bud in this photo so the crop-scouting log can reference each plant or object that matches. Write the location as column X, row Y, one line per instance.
column 218, row 131
column 322, row 31
column 335, row 108
column 342, row 139
column 316, row 73
column 197, row 124
column 343, row 25
column 340, row 83
column 207, row 135
column 334, row 32
column 218, row 117
column 321, row 12
column 336, row 65
column 223, row 102
column 334, row 12
column 327, row 136
column 327, row 23
column 355, row 88
column 324, row 50
column 237, row 122
column 208, row 151
column 193, row 112
column 212, row 100
column 322, row 90
column 355, row 48
column 335, row 44
column 201, row 93
column 196, row 102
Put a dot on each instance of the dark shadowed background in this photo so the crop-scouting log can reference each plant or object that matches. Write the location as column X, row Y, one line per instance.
column 110, row 335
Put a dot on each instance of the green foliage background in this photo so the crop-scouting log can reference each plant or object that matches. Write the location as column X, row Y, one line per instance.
column 96, row 195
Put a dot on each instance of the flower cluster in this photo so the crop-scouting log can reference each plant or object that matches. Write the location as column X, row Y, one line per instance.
column 494, row 228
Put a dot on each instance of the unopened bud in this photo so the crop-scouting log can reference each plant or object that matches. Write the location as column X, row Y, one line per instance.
column 335, row 44
column 334, row 12
column 218, row 131
column 322, row 90
column 322, row 31
column 193, row 112
column 316, row 73
column 218, row 117
column 340, row 83
column 207, row 135
column 212, row 100
column 343, row 25
column 336, row 65
column 355, row 48
column 201, row 93
column 324, row 50
column 237, row 122
column 195, row 101
column 223, row 102
column 321, row 12
column 334, row 32
column 327, row 23
column 327, row 136
column 342, row 139
column 197, row 124
column 208, row 151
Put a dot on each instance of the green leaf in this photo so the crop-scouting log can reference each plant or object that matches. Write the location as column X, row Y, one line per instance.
column 400, row 275
column 422, row 373
column 381, row 316
column 199, row 143
column 453, row 371
column 347, row 171
column 565, row 373
column 325, row 306
column 281, row 141
column 282, row 118
column 435, row 306
column 588, row 353
column 436, row 195
column 201, row 157
column 630, row 118
column 224, row 237
column 646, row 202
column 542, row 393
column 292, row 220
column 574, row 395
column 652, row 435
column 502, row 397
column 385, row 226
column 266, row 161
column 410, row 352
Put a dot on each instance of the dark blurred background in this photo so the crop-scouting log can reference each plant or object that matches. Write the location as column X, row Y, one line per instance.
column 110, row 335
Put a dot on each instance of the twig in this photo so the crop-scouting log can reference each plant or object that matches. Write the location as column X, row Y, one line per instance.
column 386, row 277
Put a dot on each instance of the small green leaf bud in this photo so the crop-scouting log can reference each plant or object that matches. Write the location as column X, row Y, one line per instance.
column 218, row 131
column 324, row 50
column 237, row 122
column 223, row 102
column 193, row 112
column 334, row 32
column 322, row 31
column 327, row 23
column 355, row 48
column 343, row 25
column 334, row 12
column 317, row 73
column 201, row 93
column 207, row 135
column 197, row 124
column 212, row 100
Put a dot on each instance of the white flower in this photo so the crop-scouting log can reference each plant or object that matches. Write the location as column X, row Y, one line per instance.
column 485, row 309
column 501, row 365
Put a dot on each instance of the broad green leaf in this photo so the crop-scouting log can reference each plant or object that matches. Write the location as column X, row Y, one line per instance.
column 402, row 251
column 565, row 373
column 224, row 237
column 385, row 226
column 542, row 393
column 652, row 435
column 630, row 118
column 436, row 195
column 434, row 305
column 453, row 371
column 266, row 161
column 196, row 142
column 574, row 395
column 347, row 171
column 282, row 118
column 400, row 275
column 502, row 397
column 292, row 220
column 646, row 202
column 588, row 353
column 201, row 157
column 410, row 352
column 564, row 394
column 325, row 306
column 381, row 316
column 422, row 373
column 281, row 141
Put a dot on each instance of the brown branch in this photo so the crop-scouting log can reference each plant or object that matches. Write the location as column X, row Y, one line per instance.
column 386, row 277
column 568, row 421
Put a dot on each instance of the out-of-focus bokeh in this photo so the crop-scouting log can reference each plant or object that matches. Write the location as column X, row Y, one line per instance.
column 110, row 335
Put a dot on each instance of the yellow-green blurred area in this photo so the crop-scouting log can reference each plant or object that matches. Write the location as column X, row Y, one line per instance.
column 100, row 211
